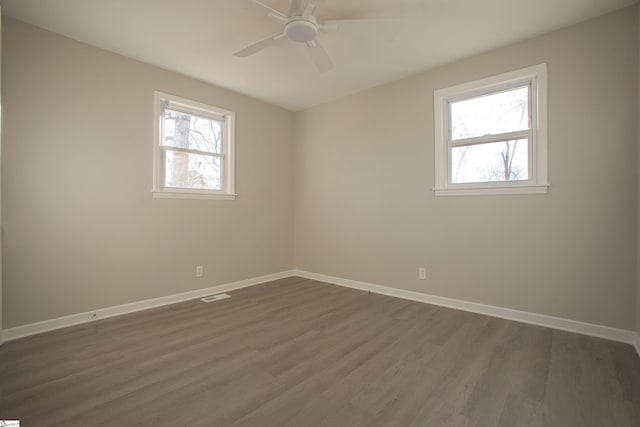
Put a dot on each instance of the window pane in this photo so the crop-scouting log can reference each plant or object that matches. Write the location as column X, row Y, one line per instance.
column 496, row 161
column 490, row 114
column 192, row 132
column 188, row 170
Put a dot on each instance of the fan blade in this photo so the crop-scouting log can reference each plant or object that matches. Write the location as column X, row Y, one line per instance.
column 335, row 23
column 258, row 46
column 328, row 27
column 293, row 7
column 269, row 8
column 308, row 10
column 319, row 56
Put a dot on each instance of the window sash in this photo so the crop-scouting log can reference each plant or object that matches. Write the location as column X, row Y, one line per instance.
column 211, row 116
column 208, row 116
column 163, row 101
column 223, row 171
column 204, row 153
column 513, row 136
column 508, row 87
column 492, row 138
column 536, row 77
column 496, row 138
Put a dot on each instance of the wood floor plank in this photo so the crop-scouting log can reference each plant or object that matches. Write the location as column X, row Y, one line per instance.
column 298, row 352
column 521, row 412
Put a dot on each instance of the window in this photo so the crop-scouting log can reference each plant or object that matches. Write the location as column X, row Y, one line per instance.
column 193, row 149
column 491, row 135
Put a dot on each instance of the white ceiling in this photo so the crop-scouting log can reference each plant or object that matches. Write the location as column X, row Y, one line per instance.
column 198, row 37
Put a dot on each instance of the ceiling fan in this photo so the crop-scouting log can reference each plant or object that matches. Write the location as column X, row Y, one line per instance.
column 299, row 26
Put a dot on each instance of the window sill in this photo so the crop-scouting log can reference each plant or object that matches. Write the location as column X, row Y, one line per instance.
column 490, row 191
column 188, row 195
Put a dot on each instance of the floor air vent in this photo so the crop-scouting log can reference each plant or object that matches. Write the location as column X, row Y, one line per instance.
column 212, row 298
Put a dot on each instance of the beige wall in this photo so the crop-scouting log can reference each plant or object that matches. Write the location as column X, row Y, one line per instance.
column 81, row 228
column 82, row 231
column 364, row 208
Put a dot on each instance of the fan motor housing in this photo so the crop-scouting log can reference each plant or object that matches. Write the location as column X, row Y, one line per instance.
column 301, row 30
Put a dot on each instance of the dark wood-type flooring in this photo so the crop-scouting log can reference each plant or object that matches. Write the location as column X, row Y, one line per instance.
column 297, row 352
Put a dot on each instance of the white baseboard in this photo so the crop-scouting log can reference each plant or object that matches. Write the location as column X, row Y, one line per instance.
column 614, row 334
column 102, row 313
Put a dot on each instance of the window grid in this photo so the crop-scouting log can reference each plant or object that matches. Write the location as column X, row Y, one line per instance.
column 492, row 138
column 531, row 175
column 204, row 157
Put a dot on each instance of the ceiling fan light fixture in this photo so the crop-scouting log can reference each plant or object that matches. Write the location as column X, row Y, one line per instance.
column 300, row 27
column 301, row 30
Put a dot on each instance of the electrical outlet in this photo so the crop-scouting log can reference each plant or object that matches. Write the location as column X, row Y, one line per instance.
column 199, row 271
column 422, row 273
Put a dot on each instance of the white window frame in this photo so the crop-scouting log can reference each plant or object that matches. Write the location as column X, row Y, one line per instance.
column 164, row 100
column 534, row 76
